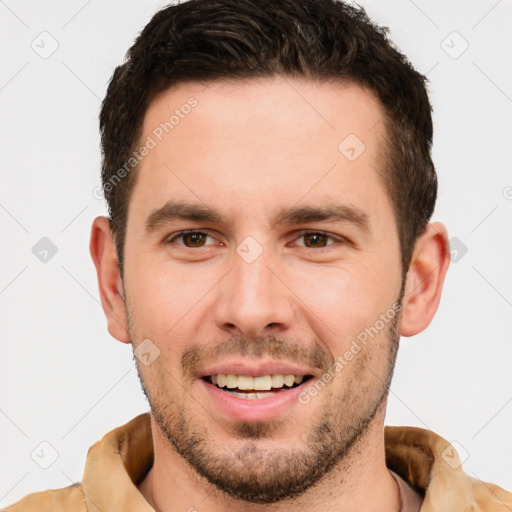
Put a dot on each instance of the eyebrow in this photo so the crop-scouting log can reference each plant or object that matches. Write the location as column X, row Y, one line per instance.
column 328, row 212
column 173, row 210
column 182, row 211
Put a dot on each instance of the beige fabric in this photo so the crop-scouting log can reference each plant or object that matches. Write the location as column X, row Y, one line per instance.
column 117, row 463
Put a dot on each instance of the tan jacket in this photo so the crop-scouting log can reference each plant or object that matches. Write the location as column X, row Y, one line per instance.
column 117, row 463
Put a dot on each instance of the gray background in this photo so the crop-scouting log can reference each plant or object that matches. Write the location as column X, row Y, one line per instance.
column 65, row 382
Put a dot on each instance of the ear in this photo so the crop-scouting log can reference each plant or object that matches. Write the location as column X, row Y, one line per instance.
column 425, row 278
column 104, row 255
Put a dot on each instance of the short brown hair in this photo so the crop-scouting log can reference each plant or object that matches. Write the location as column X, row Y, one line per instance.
column 322, row 40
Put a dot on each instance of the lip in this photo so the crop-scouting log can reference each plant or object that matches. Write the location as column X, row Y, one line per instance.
column 256, row 369
column 263, row 409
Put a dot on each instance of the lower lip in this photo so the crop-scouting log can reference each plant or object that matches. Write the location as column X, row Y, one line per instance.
column 262, row 409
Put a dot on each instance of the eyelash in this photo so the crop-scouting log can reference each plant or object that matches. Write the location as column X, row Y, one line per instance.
column 298, row 235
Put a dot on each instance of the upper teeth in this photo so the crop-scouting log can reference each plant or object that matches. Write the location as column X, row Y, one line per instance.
column 262, row 383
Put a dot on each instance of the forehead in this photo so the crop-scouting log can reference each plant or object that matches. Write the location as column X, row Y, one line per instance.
column 260, row 142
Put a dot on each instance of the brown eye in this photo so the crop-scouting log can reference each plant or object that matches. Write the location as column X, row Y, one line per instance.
column 191, row 239
column 315, row 239
column 318, row 240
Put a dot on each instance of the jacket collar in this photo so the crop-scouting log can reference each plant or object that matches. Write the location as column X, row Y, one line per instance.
column 119, row 462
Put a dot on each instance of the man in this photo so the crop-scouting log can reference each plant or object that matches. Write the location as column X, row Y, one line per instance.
column 268, row 173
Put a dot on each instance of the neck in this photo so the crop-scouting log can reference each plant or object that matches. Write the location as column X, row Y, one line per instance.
column 360, row 482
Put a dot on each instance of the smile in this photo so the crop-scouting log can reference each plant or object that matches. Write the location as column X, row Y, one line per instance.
column 255, row 388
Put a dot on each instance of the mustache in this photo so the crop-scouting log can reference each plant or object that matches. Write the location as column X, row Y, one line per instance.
column 271, row 346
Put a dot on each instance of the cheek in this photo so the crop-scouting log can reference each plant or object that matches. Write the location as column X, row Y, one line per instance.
column 342, row 301
column 166, row 297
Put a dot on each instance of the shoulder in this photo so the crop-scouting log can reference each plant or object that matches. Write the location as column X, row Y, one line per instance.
column 430, row 463
column 67, row 499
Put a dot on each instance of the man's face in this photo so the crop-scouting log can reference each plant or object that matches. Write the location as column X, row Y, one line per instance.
column 269, row 286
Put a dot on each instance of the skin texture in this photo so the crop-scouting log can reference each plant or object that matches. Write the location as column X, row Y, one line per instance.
column 248, row 150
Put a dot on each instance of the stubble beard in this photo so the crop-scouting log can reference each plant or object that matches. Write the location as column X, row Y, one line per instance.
column 254, row 471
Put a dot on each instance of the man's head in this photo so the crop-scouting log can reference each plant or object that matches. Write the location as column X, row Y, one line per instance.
column 265, row 232
column 318, row 40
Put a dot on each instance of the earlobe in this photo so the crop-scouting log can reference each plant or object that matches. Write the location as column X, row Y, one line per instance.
column 425, row 279
column 104, row 256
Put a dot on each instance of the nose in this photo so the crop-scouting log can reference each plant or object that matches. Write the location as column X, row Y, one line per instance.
column 253, row 299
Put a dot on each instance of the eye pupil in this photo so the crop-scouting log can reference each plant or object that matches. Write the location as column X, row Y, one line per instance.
column 315, row 239
column 195, row 239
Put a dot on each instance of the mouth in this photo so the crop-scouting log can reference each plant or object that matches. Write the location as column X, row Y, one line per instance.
column 255, row 388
